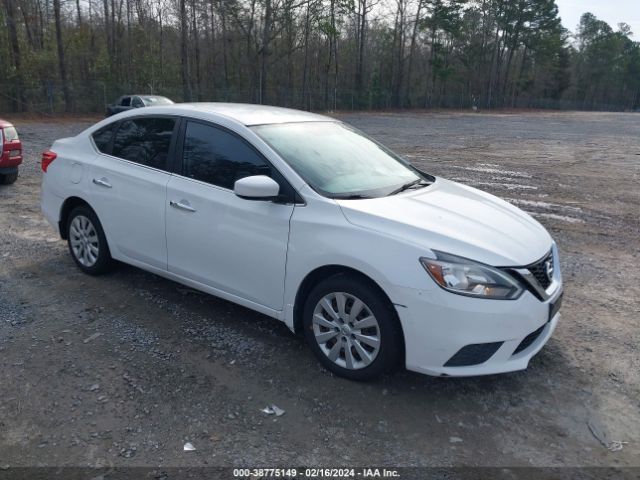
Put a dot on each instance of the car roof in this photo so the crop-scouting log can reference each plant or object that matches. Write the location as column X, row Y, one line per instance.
column 249, row 114
column 5, row 124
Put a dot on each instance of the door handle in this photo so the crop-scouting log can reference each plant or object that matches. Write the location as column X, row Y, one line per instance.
column 182, row 205
column 102, row 182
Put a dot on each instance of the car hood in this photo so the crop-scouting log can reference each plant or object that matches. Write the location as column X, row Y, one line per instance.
column 456, row 219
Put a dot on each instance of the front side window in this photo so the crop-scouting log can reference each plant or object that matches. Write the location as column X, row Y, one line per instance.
column 218, row 157
column 339, row 161
column 137, row 103
column 102, row 137
column 145, row 141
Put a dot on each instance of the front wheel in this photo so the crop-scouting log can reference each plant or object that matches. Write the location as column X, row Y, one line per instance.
column 352, row 329
column 87, row 242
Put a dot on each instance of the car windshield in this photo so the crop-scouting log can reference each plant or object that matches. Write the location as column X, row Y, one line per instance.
column 149, row 100
column 338, row 161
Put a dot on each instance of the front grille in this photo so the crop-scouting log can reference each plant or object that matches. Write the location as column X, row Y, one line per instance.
column 539, row 270
column 528, row 340
column 474, row 354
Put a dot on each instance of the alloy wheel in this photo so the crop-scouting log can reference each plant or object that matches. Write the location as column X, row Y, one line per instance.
column 346, row 330
column 84, row 240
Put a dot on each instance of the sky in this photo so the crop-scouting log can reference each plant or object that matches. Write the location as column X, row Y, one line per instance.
column 611, row 11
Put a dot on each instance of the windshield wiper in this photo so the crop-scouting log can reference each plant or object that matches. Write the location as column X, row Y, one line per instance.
column 420, row 182
column 355, row 196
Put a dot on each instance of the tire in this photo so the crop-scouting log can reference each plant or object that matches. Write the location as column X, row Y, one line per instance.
column 8, row 178
column 356, row 358
column 87, row 242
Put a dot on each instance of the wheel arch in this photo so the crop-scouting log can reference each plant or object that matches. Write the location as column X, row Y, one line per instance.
column 68, row 205
column 326, row 271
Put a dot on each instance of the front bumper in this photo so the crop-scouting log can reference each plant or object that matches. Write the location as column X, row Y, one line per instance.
column 437, row 325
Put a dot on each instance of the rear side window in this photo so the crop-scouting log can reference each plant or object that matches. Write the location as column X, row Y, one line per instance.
column 126, row 102
column 145, row 141
column 218, row 157
column 102, row 138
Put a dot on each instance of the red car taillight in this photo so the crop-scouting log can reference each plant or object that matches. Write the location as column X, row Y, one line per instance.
column 47, row 157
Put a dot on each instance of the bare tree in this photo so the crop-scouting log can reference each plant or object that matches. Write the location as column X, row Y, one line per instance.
column 61, row 63
column 18, row 100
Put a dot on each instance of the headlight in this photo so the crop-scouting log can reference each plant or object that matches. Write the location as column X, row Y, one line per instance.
column 466, row 277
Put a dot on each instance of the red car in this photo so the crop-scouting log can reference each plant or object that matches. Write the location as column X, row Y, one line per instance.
column 10, row 153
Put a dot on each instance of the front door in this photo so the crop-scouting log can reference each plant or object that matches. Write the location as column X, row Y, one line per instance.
column 216, row 238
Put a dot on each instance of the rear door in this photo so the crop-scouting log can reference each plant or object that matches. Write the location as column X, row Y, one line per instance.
column 215, row 238
column 128, row 188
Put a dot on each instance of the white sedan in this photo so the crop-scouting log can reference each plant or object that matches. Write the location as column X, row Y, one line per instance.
column 307, row 220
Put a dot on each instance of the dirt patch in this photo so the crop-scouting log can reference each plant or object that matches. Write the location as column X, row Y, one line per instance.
column 124, row 369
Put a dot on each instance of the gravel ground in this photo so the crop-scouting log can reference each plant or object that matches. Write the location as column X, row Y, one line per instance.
column 122, row 370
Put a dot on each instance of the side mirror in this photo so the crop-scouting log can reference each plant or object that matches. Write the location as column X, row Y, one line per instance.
column 256, row 187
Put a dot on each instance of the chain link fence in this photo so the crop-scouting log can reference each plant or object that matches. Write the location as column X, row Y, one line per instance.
column 93, row 97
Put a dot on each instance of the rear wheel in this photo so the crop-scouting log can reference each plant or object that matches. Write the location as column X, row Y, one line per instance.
column 87, row 242
column 351, row 328
column 8, row 178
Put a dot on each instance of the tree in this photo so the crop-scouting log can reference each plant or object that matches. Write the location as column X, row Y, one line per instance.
column 313, row 54
column 184, row 52
column 606, row 64
column 18, row 99
column 444, row 20
column 61, row 63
